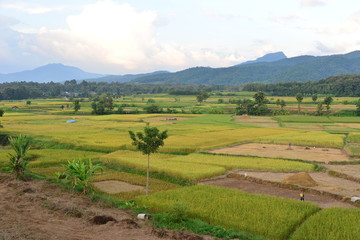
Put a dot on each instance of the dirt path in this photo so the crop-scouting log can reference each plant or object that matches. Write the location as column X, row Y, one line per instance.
column 257, row 188
column 43, row 211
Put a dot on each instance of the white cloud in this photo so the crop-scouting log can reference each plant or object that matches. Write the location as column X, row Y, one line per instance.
column 312, row 3
column 30, row 8
column 119, row 38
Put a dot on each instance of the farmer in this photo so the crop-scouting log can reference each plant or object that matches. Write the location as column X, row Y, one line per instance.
column 302, row 196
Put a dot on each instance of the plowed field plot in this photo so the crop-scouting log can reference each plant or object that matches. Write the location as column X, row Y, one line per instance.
column 113, row 186
column 352, row 170
column 317, row 154
column 325, row 182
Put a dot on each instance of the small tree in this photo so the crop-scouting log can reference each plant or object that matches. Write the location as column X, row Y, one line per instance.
column 18, row 162
column 299, row 98
column 77, row 105
column 282, row 104
column 2, row 112
column 28, row 102
column 314, row 98
column 319, row 109
column 202, row 96
column 148, row 142
column 327, row 101
column 358, row 108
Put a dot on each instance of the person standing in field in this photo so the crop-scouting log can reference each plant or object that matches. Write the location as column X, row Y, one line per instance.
column 302, row 196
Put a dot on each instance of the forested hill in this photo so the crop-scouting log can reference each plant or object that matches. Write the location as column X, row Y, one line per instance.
column 342, row 85
column 300, row 69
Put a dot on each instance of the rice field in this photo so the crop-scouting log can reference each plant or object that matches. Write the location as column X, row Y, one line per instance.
column 270, row 217
column 199, row 166
column 330, row 224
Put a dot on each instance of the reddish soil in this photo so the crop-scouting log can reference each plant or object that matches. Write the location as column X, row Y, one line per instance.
column 257, row 188
column 42, row 210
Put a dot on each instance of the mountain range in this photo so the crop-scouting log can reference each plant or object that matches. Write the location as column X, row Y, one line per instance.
column 271, row 68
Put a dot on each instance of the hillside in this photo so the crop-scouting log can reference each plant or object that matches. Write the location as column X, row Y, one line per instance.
column 51, row 72
column 302, row 68
column 341, row 85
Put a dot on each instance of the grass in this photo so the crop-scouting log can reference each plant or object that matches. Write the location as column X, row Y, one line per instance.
column 330, row 224
column 270, row 217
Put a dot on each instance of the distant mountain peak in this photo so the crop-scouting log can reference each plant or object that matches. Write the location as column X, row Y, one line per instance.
column 270, row 57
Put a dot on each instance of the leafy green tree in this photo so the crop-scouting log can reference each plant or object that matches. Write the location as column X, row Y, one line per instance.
column 319, row 109
column 358, row 108
column 2, row 112
column 77, row 105
column 282, row 104
column 102, row 104
column 314, row 98
column 28, row 102
column 153, row 109
column 327, row 101
column 299, row 99
column 79, row 172
column 18, row 162
column 202, row 96
column 148, row 142
column 260, row 98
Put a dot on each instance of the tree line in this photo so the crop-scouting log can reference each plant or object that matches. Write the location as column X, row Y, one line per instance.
column 343, row 85
column 85, row 89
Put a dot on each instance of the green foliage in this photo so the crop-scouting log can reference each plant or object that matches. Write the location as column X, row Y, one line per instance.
column 358, row 108
column 314, row 98
column 79, row 172
column 77, row 105
column 2, row 112
column 299, row 99
column 148, row 142
column 327, row 101
column 153, row 109
column 202, row 96
column 102, row 104
column 18, row 162
column 28, row 102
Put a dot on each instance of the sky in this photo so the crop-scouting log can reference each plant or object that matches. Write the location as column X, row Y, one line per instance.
column 140, row 36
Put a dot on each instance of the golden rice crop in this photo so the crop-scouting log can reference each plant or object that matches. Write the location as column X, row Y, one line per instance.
column 163, row 163
column 330, row 224
column 51, row 157
column 262, row 215
column 256, row 163
column 308, row 138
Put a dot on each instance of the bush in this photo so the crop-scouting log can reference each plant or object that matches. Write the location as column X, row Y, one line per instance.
column 18, row 162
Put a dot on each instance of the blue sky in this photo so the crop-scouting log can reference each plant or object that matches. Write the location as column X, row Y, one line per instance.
column 136, row 36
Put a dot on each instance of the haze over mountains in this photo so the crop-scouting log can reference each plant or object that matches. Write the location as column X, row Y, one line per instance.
column 271, row 68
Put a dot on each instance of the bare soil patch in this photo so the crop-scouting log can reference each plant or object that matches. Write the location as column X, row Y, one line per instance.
column 43, row 211
column 114, row 186
column 256, row 121
column 258, row 188
column 326, row 183
column 351, row 170
column 317, row 154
